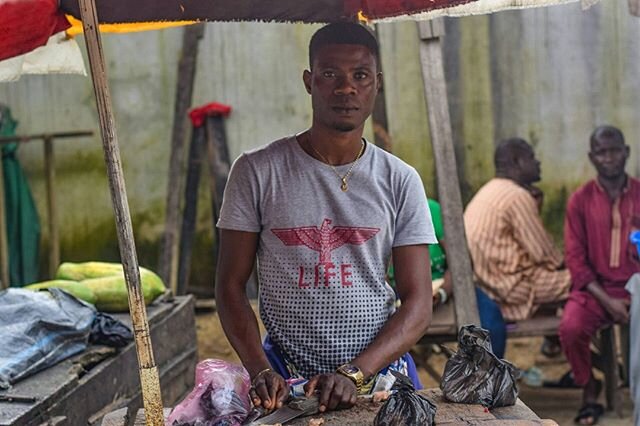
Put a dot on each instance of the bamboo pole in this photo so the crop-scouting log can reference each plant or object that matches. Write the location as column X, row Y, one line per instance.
column 435, row 91
column 52, row 207
column 4, row 246
column 149, row 378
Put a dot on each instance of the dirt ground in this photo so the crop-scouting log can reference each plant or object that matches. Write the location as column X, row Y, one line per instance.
column 560, row 405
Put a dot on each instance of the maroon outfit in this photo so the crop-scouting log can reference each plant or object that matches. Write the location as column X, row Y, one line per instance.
column 597, row 248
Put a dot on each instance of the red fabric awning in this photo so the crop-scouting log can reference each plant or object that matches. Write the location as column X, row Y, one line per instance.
column 28, row 24
column 120, row 11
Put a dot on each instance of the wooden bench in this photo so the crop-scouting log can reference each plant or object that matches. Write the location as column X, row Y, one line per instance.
column 605, row 359
column 443, row 329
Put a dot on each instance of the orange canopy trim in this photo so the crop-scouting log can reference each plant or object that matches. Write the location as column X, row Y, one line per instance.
column 76, row 26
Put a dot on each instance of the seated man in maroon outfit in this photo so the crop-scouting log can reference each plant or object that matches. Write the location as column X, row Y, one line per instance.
column 600, row 216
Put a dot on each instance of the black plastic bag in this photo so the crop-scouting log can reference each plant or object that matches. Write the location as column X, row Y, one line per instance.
column 39, row 329
column 474, row 375
column 405, row 406
column 108, row 331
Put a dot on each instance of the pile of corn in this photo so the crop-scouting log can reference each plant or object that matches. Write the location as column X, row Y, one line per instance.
column 102, row 284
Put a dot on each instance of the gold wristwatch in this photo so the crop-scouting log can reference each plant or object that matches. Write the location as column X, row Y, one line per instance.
column 353, row 373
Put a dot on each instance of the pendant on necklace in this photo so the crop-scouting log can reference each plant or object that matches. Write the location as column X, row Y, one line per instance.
column 344, row 185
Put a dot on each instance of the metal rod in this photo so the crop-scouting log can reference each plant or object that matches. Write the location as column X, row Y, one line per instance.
column 18, row 398
column 149, row 377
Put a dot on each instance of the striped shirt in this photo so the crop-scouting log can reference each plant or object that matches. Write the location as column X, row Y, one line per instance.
column 513, row 256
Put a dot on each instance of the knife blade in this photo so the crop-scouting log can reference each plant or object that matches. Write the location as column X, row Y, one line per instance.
column 298, row 407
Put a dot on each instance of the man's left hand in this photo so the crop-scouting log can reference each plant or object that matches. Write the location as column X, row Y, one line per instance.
column 335, row 391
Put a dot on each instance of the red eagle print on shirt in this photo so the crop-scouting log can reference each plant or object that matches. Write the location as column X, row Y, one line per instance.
column 326, row 238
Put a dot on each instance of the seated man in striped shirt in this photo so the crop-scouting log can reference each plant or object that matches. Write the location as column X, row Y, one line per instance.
column 513, row 255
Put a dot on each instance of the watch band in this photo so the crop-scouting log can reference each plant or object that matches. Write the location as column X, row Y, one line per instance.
column 353, row 373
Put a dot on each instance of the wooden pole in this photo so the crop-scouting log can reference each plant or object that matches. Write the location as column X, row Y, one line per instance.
column 435, row 91
column 43, row 136
column 52, row 210
column 168, row 263
column 379, row 119
column 219, row 162
column 54, row 235
column 149, row 378
column 4, row 246
column 190, row 212
column 219, row 167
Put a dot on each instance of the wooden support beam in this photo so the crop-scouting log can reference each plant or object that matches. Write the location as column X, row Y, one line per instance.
column 149, row 377
column 44, row 136
column 610, row 369
column 168, row 262
column 49, row 165
column 379, row 119
column 219, row 167
column 190, row 212
column 219, row 161
column 52, row 208
column 4, row 245
column 435, row 91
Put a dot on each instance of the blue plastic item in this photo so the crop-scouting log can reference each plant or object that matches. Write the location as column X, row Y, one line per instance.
column 40, row 329
column 635, row 239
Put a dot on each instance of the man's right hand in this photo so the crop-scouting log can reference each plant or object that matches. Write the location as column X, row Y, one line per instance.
column 269, row 390
column 618, row 309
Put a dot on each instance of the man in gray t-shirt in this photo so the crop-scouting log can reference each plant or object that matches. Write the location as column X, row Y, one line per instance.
column 324, row 211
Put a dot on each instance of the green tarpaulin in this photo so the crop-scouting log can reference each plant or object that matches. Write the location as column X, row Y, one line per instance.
column 23, row 225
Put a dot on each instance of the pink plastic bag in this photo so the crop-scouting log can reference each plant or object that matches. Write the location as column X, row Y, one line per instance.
column 219, row 398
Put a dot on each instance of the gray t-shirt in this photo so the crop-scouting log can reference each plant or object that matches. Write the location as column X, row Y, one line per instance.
column 323, row 253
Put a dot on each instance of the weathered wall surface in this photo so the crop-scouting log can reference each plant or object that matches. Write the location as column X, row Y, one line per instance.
column 549, row 75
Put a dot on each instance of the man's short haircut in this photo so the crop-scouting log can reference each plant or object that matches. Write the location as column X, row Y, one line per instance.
column 508, row 150
column 342, row 33
column 606, row 132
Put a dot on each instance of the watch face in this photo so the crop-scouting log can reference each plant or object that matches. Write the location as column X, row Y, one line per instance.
column 350, row 369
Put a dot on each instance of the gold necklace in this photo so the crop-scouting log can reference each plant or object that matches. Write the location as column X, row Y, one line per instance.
column 344, row 186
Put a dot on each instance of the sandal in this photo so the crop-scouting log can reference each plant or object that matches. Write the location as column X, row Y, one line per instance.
column 566, row 381
column 551, row 347
column 590, row 410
